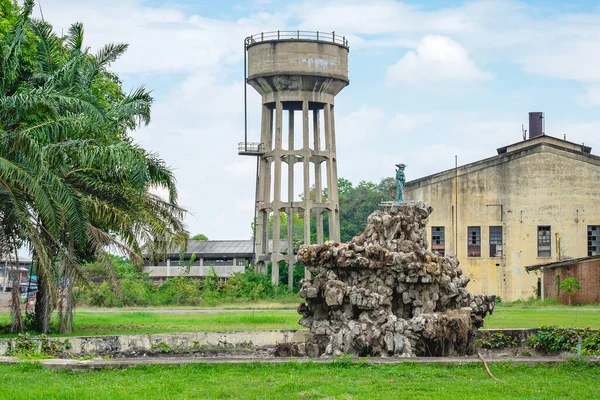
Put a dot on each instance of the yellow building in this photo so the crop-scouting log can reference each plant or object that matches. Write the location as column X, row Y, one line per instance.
column 535, row 202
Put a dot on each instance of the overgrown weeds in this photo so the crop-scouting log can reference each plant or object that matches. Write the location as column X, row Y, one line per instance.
column 553, row 339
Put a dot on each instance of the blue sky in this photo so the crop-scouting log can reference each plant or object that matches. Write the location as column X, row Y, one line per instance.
column 429, row 80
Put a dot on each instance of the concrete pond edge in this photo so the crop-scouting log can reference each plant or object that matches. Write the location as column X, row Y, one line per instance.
column 115, row 345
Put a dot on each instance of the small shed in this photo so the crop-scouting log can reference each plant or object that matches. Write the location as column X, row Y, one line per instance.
column 586, row 270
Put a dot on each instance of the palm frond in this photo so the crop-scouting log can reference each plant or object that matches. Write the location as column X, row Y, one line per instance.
column 49, row 46
column 109, row 53
column 75, row 37
column 9, row 61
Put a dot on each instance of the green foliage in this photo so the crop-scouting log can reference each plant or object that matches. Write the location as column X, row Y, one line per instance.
column 552, row 339
column 179, row 290
column 37, row 347
column 242, row 287
column 357, row 203
column 73, row 182
column 495, row 340
column 283, row 275
column 138, row 290
column 199, row 236
column 117, row 266
column 162, row 347
column 570, row 286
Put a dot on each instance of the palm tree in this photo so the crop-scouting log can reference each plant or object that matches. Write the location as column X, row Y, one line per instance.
column 79, row 185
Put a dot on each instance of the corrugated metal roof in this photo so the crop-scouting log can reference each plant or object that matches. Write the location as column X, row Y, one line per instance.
column 562, row 263
column 223, row 247
column 219, row 246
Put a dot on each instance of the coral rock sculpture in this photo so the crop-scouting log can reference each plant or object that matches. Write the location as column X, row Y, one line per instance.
column 385, row 293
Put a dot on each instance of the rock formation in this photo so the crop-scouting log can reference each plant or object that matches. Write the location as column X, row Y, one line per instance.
column 385, row 293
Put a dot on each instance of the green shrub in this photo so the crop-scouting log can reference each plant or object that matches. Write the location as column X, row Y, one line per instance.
column 138, row 290
column 180, row 290
column 495, row 340
column 103, row 295
column 553, row 339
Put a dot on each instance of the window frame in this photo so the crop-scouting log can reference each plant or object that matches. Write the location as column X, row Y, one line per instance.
column 441, row 232
column 473, row 249
column 591, row 243
column 499, row 247
column 542, row 253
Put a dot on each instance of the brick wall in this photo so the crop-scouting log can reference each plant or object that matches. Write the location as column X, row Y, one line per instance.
column 586, row 272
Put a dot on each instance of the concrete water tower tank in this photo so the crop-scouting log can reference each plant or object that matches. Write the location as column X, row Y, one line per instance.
column 298, row 75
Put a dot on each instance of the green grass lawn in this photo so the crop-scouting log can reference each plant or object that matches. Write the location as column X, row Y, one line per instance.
column 527, row 318
column 90, row 323
column 304, row 381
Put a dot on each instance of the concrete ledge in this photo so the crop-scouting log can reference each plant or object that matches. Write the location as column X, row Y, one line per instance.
column 97, row 364
column 521, row 335
column 80, row 346
column 122, row 344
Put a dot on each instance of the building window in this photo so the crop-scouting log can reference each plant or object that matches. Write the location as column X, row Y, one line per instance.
column 544, row 241
column 474, row 241
column 437, row 239
column 495, row 241
column 593, row 240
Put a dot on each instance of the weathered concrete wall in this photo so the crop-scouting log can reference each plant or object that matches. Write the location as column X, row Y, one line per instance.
column 519, row 191
column 122, row 344
column 586, row 272
column 298, row 57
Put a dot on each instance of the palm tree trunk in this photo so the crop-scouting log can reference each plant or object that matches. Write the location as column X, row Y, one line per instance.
column 65, row 310
column 42, row 305
column 15, row 304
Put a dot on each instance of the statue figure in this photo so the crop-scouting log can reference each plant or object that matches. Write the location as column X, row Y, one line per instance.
column 400, row 181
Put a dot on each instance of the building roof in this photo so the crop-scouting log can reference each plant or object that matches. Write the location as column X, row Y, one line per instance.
column 220, row 248
column 563, row 263
column 514, row 150
column 545, row 139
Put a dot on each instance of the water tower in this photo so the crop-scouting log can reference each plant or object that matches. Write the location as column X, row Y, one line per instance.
column 298, row 74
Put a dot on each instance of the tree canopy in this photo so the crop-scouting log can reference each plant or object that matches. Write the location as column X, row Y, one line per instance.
column 73, row 184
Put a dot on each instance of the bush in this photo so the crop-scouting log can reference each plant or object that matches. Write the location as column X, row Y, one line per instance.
column 137, row 290
column 551, row 339
column 242, row 286
column 495, row 340
column 180, row 290
column 103, row 295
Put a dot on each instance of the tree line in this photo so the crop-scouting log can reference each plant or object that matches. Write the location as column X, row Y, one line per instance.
column 356, row 204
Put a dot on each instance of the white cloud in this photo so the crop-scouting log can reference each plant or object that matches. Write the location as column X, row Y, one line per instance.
column 161, row 39
column 544, row 40
column 359, row 126
column 405, row 122
column 436, row 59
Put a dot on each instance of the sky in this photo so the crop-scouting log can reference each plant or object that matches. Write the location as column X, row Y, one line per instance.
column 428, row 80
